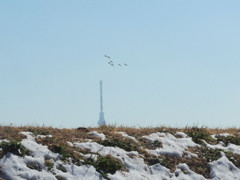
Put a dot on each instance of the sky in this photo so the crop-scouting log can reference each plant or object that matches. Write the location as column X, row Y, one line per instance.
column 183, row 63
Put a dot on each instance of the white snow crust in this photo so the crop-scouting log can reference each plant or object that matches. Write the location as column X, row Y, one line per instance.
column 14, row 167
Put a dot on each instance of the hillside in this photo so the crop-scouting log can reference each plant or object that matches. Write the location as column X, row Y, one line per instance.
column 115, row 153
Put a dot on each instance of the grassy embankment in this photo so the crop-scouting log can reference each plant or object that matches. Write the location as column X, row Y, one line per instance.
column 58, row 144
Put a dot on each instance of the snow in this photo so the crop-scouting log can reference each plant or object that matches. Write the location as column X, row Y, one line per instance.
column 221, row 134
column 223, row 169
column 99, row 135
column 181, row 134
column 37, row 150
column 127, row 136
column 229, row 147
column 184, row 173
column 14, row 167
column 171, row 145
column 4, row 140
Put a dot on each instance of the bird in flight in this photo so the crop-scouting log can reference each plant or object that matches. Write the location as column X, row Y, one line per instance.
column 125, row 64
column 111, row 63
column 107, row 57
column 119, row 64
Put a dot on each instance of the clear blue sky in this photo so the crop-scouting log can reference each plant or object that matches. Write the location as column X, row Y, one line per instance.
column 183, row 62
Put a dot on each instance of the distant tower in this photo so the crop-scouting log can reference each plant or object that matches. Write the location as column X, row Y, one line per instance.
column 101, row 120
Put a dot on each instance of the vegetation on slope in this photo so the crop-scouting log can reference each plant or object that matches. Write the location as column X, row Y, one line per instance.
column 58, row 143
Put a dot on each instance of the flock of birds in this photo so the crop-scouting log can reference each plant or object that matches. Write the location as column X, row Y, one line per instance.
column 111, row 62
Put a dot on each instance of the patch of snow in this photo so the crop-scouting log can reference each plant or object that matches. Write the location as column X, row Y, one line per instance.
column 4, row 140
column 183, row 172
column 230, row 147
column 14, row 167
column 225, row 134
column 170, row 144
column 132, row 153
column 223, row 169
column 127, row 136
column 135, row 166
column 149, row 173
column 70, row 143
column 137, row 169
column 91, row 156
column 43, row 136
column 221, row 134
column 189, row 155
column 181, row 134
column 96, row 134
column 37, row 150
column 79, row 172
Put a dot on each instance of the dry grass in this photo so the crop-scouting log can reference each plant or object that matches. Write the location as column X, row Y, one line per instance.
column 58, row 142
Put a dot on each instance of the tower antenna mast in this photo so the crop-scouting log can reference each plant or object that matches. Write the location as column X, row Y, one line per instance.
column 101, row 120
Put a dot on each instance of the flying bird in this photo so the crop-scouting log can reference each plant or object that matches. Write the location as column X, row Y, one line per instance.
column 119, row 64
column 107, row 57
column 111, row 63
column 125, row 64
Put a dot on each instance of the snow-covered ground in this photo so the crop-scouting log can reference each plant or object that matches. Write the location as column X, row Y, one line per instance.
column 14, row 167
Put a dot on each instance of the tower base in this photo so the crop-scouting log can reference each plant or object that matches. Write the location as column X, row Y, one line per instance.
column 101, row 121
